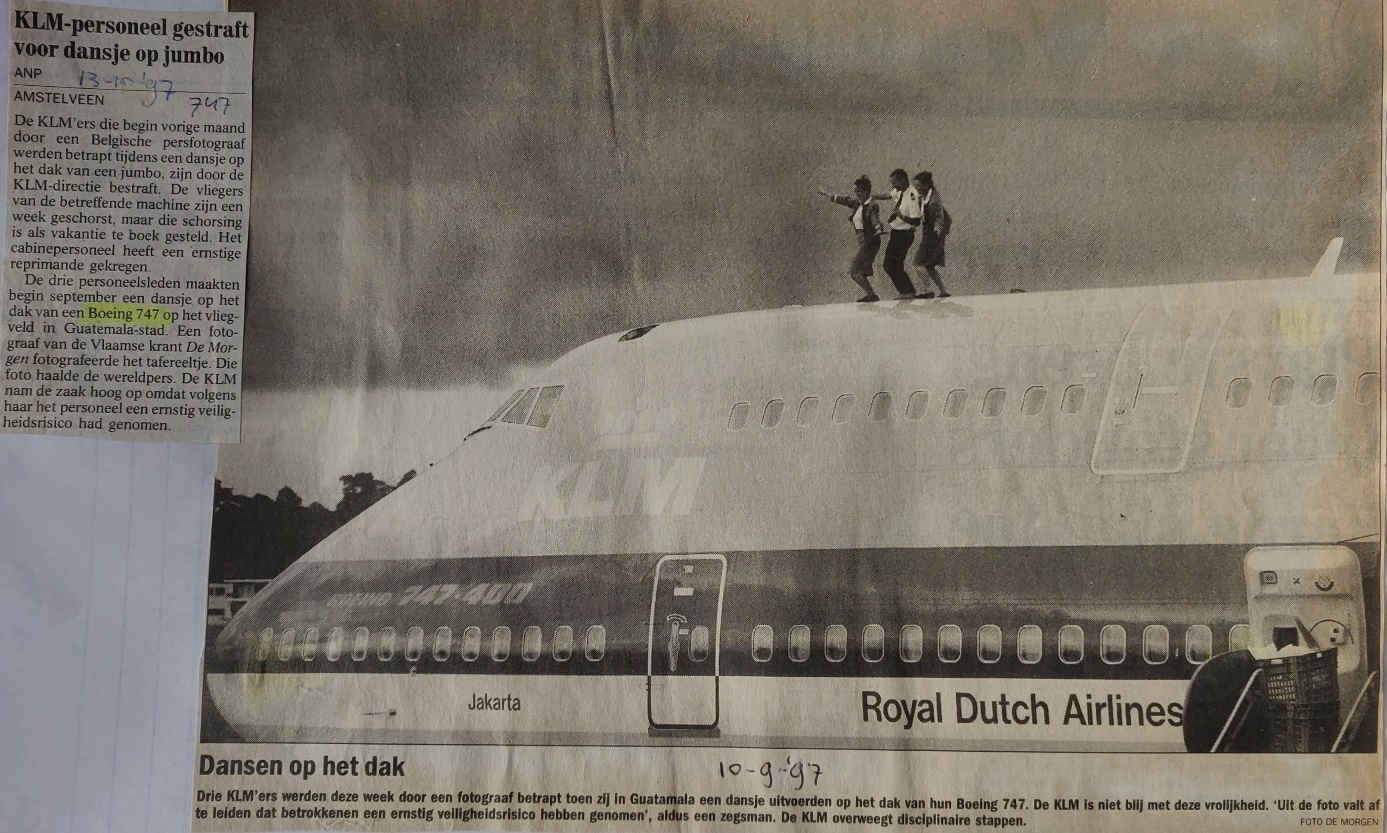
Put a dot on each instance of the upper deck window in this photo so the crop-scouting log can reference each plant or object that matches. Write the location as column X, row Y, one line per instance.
column 361, row 643
column 500, row 643
column 808, row 409
column 1281, row 389
column 1199, row 643
column 334, row 644
column 1239, row 390
column 310, row 644
column 595, row 643
column 385, row 645
column 917, row 405
column 955, row 402
column 1033, row 402
column 442, row 644
column 736, row 420
column 544, row 406
column 471, row 643
column 520, row 411
column 880, row 409
column 414, row 644
column 1369, row 389
column 993, row 402
column 286, row 645
column 774, row 410
column 842, row 408
column 1322, row 392
column 1071, row 644
column 1112, row 644
column 1073, row 400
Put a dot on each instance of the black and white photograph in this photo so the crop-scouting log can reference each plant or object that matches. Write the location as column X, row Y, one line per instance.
column 911, row 377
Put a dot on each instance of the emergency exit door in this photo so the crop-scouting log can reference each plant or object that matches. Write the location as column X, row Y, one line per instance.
column 1157, row 385
column 685, row 620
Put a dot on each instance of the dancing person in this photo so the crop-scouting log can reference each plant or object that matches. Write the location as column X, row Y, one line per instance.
column 934, row 229
column 866, row 221
column 906, row 211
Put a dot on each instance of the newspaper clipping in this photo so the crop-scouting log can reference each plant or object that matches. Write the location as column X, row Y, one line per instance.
column 706, row 416
column 129, row 140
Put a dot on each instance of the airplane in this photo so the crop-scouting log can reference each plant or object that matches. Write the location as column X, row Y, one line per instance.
column 1010, row 522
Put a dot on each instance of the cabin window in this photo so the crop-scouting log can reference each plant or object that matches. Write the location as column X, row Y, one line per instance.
column 950, row 643
column 442, row 644
column 989, row 643
column 836, row 643
column 500, row 644
column 698, row 643
column 265, row 643
column 1070, row 644
column 414, row 644
column 521, row 410
column 955, row 402
column 530, row 643
column 1281, row 389
column 334, row 644
column 1322, row 392
column 880, row 410
column 912, row 646
column 506, row 407
column 544, row 406
column 808, row 409
column 1199, row 644
column 736, row 420
column 799, row 643
column 286, row 645
column 1112, row 644
column 1029, row 644
column 842, row 408
column 762, row 643
column 595, row 643
column 361, row 643
column 993, row 402
column 1033, row 402
column 1239, row 391
column 385, row 645
column 1369, row 390
column 1238, row 637
column 771, row 416
column 310, row 644
column 1155, row 644
column 563, row 643
column 873, row 643
column 917, row 405
column 471, row 644
column 1073, row 400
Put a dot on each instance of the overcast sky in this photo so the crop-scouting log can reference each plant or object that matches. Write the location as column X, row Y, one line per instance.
column 443, row 191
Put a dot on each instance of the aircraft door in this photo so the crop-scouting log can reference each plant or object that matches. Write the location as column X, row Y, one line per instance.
column 1309, row 597
column 682, row 653
column 1157, row 384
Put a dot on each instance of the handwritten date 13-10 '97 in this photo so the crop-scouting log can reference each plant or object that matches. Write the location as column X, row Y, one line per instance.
column 156, row 90
column 793, row 774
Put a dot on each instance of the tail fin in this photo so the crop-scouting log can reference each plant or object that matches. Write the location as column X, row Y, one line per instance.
column 1328, row 260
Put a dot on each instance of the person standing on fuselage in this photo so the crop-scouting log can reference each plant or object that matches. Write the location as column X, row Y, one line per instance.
column 907, row 208
column 934, row 228
column 866, row 221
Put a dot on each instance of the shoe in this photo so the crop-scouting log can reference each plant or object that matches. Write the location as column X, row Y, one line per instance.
column 909, row 296
column 867, row 299
column 943, row 295
column 925, row 295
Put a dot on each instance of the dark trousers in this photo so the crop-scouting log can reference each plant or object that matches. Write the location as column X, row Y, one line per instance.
column 893, row 263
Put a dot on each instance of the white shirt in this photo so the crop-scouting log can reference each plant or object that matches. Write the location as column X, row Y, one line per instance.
column 910, row 205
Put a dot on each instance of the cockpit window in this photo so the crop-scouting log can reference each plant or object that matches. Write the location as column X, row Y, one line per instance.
column 506, row 407
column 544, row 406
column 520, row 410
